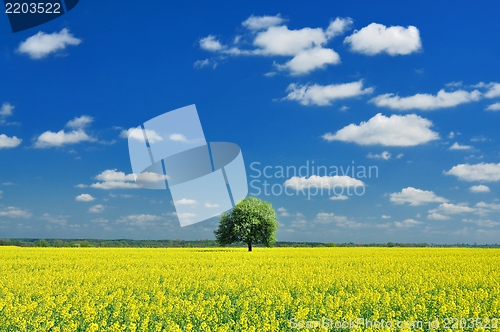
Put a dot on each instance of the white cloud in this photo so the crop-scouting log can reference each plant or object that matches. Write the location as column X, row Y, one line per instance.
column 111, row 179
column 201, row 63
column 415, row 197
column 178, row 138
column 139, row 219
column 341, row 221
column 493, row 107
column 42, row 44
column 323, row 95
column 437, row 216
column 138, row 135
column 477, row 172
column 262, row 22
column 84, row 198
column 339, row 198
column 211, row 44
column 77, row 135
column 449, row 208
column 386, row 217
column 384, row 155
column 185, row 201
column 6, row 109
column 479, row 189
column 208, row 205
column 479, row 138
column 493, row 89
column 311, row 59
column 396, row 130
column 377, row 38
column 7, row 142
column 482, row 222
column 282, row 41
column 270, row 37
column 151, row 177
column 13, row 212
column 490, row 206
column 338, row 27
column 326, row 182
column 113, row 175
column 51, row 139
column 99, row 208
column 407, row 223
column 80, row 122
column 457, row 146
column 426, row 102
column 451, row 135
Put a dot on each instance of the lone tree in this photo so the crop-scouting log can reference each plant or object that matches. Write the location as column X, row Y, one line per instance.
column 251, row 221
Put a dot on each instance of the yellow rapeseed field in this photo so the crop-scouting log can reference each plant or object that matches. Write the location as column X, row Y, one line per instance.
column 280, row 289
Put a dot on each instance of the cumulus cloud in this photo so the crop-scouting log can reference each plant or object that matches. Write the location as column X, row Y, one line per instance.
column 84, row 198
column 457, row 146
column 493, row 107
column 178, row 138
column 210, row 43
column 185, row 201
column 77, row 135
column 386, row 217
column 99, row 208
column 271, row 37
column 341, row 221
column 482, row 222
column 6, row 109
column 377, row 38
column 139, row 219
column 111, row 179
column 426, row 102
column 415, row 197
column 51, row 139
column 7, row 142
column 209, row 205
column 80, row 122
column 138, row 135
column 338, row 27
column 327, row 182
column 492, row 89
column 42, row 44
column 384, row 155
column 396, row 130
column 437, row 216
column 479, row 189
column 407, row 223
column 311, row 59
column 262, row 22
column 323, row 95
column 339, row 198
column 13, row 212
column 476, row 172
column 449, row 208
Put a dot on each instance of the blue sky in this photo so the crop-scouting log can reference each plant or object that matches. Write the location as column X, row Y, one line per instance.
column 411, row 90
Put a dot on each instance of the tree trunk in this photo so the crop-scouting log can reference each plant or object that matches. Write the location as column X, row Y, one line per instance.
column 249, row 246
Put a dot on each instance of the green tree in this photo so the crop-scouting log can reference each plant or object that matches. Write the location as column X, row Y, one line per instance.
column 251, row 221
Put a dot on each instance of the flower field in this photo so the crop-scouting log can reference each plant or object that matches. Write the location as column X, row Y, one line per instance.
column 279, row 289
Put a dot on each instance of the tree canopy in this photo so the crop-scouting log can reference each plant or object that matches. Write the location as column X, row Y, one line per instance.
column 251, row 221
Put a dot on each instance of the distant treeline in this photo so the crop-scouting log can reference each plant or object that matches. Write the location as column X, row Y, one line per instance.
column 126, row 243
